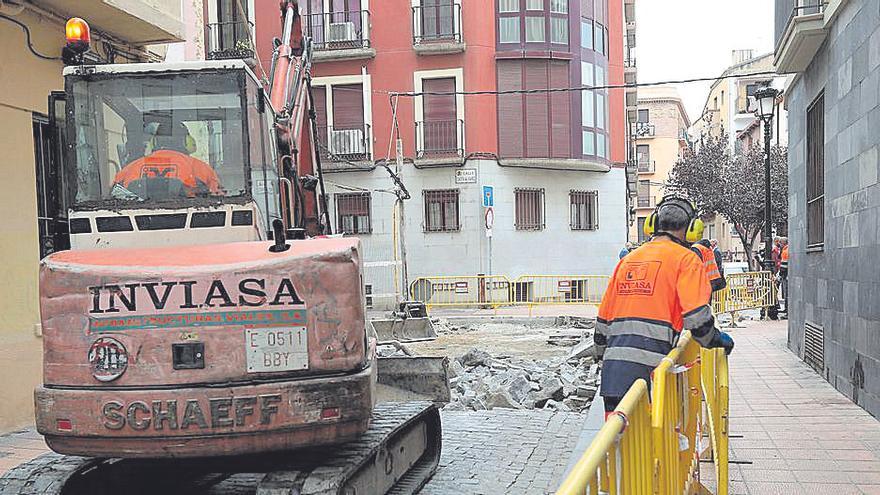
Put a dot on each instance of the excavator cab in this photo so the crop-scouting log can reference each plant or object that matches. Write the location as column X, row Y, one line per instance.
column 195, row 141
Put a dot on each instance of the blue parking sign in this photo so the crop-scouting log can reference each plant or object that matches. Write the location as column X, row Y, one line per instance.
column 488, row 196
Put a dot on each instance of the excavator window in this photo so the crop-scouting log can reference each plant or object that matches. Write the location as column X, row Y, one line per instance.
column 158, row 137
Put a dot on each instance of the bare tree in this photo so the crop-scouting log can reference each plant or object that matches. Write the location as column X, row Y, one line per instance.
column 732, row 185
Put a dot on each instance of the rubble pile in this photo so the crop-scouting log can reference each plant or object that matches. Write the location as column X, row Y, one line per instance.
column 480, row 380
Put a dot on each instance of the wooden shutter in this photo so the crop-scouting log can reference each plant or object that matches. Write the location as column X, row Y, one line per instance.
column 560, row 111
column 348, row 106
column 537, row 110
column 319, row 93
column 439, row 107
column 510, row 109
column 440, row 126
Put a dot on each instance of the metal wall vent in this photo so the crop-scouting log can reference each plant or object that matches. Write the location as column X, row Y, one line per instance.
column 814, row 346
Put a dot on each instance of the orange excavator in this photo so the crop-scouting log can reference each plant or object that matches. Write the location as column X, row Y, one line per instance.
column 203, row 334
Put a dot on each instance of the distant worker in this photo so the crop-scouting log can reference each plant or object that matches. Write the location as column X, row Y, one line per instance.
column 713, row 270
column 655, row 292
column 783, row 270
column 170, row 159
column 776, row 253
column 719, row 257
column 626, row 250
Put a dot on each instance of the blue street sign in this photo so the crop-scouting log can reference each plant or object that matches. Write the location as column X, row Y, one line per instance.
column 488, row 196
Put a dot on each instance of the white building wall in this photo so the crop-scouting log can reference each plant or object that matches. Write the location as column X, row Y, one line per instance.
column 555, row 250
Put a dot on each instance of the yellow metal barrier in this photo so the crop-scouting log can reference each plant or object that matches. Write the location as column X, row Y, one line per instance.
column 619, row 461
column 559, row 289
column 716, row 392
column 751, row 290
column 465, row 290
column 657, row 450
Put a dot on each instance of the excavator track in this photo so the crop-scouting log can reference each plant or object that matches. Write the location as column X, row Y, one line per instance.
column 397, row 455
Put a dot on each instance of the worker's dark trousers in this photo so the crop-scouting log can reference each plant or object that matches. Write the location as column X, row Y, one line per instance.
column 610, row 404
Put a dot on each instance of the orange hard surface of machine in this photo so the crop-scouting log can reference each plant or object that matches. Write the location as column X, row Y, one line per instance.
column 202, row 333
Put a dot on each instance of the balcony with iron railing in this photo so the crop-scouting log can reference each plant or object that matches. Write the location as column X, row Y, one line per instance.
column 340, row 35
column 647, row 166
column 439, row 139
column 801, row 28
column 643, row 130
column 437, row 29
column 646, row 201
column 629, row 63
column 339, row 144
column 230, row 40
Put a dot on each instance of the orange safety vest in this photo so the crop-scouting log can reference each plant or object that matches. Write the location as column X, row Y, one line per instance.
column 712, row 271
column 192, row 172
column 785, row 253
column 655, row 292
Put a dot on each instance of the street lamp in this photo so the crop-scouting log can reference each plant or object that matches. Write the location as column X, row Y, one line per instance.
column 765, row 99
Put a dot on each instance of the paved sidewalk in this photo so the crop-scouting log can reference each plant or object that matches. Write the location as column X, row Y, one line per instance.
column 791, row 431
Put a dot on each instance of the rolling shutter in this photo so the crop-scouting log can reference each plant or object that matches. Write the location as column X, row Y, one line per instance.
column 439, row 107
column 510, row 110
column 348, row 106
column 319, row 93
column 560, row 111
column 537, row 117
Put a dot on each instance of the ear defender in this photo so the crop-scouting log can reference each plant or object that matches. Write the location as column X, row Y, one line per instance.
column 695, row 231
column 650, row 224
column 695, row 227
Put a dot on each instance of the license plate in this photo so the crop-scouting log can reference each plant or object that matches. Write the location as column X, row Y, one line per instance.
column 276, row 349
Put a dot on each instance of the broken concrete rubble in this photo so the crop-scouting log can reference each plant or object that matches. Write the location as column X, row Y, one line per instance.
column 483, row 381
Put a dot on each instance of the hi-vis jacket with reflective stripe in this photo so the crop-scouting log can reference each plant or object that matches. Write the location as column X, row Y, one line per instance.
column 655, row 292
column 716, row 280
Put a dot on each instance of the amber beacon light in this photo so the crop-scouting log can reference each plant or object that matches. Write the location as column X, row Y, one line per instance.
column 78, row 38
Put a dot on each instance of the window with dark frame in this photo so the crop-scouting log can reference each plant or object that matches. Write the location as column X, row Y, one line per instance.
column 644, row 116
column 353, row 213
column 640, row 221
column 816, row 173
column 644, row 194
column 439, row 131
column 533, row 22
column 643, row 157
column 584, row 210
column 441, row 210
column 529, row 206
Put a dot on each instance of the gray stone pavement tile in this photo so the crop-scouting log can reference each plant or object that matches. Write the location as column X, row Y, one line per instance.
column 800, row 435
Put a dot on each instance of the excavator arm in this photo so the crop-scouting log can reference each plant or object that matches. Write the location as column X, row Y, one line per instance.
column 296, row 130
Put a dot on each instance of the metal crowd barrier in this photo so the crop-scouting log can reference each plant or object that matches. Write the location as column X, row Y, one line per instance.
column 465, row 290
column 750, row 290
column 559, row 289
column 620, row 459
column 498, row 290
column 656, row 448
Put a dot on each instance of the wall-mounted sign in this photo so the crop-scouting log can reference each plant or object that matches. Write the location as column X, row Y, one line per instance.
column 488, row 196
column 466, row 176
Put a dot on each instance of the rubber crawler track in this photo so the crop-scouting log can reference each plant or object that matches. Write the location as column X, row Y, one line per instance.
column 317, row 471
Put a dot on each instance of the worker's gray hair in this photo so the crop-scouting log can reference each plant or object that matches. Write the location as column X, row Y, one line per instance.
column 671, row 218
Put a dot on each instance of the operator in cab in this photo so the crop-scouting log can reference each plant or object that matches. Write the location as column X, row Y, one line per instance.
column 655, row 293
column 170, row 171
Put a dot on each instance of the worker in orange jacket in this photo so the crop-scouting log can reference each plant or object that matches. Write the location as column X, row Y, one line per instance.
column 655, row 292
column 703, row 249
column 171, row 159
